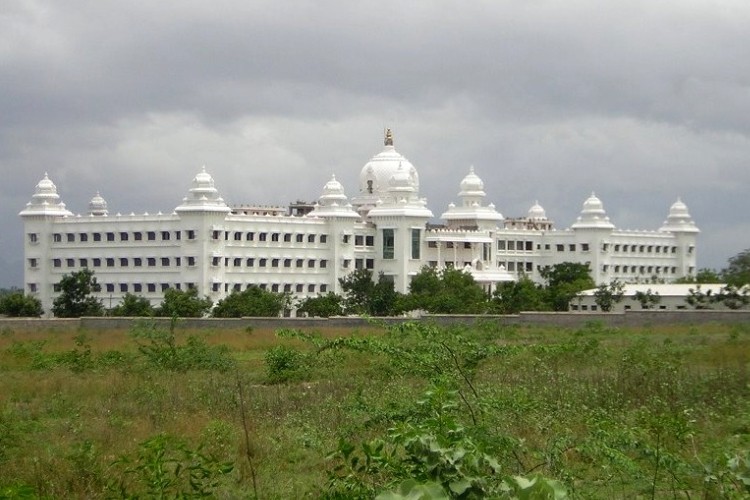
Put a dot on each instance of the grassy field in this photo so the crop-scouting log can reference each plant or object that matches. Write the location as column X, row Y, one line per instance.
column 661, row 412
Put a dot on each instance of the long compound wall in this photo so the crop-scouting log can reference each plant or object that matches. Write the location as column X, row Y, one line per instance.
column 565, row 320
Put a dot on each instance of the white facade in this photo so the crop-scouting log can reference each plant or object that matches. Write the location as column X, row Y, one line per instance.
column 305, row 249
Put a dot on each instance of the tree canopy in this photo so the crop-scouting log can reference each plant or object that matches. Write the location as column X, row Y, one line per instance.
column 76, row 299
column 17, row 304
column 512, row 297
column 446, row 291
column 322, row 306
column 737, row 272
column 564, row 281
column 251, row 302
column 362, row 295
column 184, row 304
column 133, row 306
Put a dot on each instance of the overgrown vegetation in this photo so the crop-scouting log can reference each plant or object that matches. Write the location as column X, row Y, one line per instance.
column 392, row 412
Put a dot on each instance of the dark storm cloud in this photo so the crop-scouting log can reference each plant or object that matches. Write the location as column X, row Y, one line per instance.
column 640, row 101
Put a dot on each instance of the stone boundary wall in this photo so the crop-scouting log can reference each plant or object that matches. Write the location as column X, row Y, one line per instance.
column 565, row 320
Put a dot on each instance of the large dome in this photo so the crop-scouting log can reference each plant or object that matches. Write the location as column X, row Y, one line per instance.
column 375, row 177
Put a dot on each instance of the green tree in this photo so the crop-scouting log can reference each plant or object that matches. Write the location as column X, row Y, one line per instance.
column 704, row 276
column 362, row 295
column 607, row 295
column 184, row 304
column 733, row 297
column 647, row 299
column 322, row 306
column 133, row 306
column 565, row 281
column 737, row 273
column 76, row 299
column 18, row 304
column 251, row 302
column 448, row 291
column 699, row 299
column 512, row 297
column 358, row 288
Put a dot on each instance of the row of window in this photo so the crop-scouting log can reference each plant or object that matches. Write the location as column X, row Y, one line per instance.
column 513, row 245
column 264, row 262
column 117, row 236
column 511, row 266
column 216, row 287
column 640, row 248
column 275, row 287
column 641, row 269
column 272, row 237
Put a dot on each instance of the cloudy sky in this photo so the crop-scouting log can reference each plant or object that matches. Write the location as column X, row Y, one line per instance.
column 640, row 101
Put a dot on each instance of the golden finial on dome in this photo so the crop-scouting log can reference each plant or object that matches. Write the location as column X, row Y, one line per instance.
column 388, row 137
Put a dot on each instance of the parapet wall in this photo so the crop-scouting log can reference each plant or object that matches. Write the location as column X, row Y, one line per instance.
column 565, row 320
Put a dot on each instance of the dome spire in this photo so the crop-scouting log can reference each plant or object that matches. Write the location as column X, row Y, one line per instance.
column 388, row 137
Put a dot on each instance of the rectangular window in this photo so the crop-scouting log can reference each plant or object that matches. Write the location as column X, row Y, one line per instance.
column 310, row 288
column 237, row 236
column 323, row 263
column 369, row 241
column 215, row 235
column 501, row 244
column 123, row 236
column 57, row 237
column 137, row 287
column 299, row 288
column 123, row 262
column 300, row 262
column 151, row 261
column 311, row 238
column 137, row 262
column 71, row 237
column 311, row 263
column 177, row 261
column 237, row 261
column 70, row 262
column 511, row 245
column 275, row 288
column 137, row 236
column 151, row 287
column 345, row 238
column 191, row 261
column 191, row 234
column 164, row 287
column 300, row 238
column 323, row 238
column 323, row 288
column 177, row 235
column 123, row 287
column 110, row 287
column 274, row 262
column 287, row 288
column 110, row 262
column 529, row 246
column 97, row 236
column 389, row 243
column 165, row 261
column 287, row 262
column 83, row 237
column 359, row 240
column 33, row 238
column 165, row 235
column 250, row 262
column 151, row 236
column 110, row 236
column 416, row 243
column 262, row 262
column 584, row 247
column 370, row 263
column 287, row 237
column 572, row 247
column 359, row 263
column 560, row 248
column 274, row 236
column 262, row 236
column 97, row 262
column 83, row 262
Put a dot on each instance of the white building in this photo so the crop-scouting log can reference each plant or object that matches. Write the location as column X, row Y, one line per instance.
column 667, row 297
column 304, row 249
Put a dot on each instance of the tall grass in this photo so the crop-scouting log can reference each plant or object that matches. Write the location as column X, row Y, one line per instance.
column 655, row 412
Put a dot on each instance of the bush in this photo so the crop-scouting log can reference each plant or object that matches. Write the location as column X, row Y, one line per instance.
column 285, row 363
